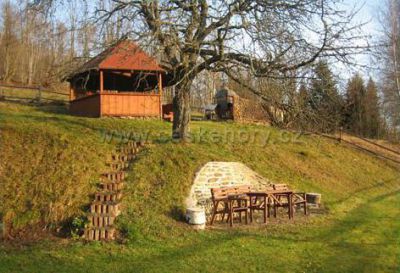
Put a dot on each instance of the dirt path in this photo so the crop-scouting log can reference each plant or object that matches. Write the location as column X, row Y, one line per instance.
column 379, row 147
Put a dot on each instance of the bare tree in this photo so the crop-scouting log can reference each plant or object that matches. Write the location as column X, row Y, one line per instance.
column 389, row 57
column 268, row 38
column 34, row 45
column 86, row 32
column 9, row 41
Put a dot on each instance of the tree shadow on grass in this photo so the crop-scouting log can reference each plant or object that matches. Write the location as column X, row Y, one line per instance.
column 52, row 107
column 182, row 257
column 358, row 255
column 64, row 123
column 362, row 191
column 346, row 255
column 107, row 129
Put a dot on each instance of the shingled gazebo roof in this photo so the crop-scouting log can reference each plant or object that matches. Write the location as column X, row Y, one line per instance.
column 124, row 55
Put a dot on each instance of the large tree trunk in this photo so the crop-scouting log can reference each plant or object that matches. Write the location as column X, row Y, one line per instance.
column 181, row 108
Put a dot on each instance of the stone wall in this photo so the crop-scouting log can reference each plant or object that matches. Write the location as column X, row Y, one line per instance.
column 221, row 174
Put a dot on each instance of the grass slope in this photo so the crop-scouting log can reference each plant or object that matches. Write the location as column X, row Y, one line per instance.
column 53, row 156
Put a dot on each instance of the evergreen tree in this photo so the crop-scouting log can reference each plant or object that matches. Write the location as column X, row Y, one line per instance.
column 303, row 111
column 324, row 100
column 372, row 115
column 355, row 106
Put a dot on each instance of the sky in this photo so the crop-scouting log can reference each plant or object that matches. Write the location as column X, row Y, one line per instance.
column 369, row 13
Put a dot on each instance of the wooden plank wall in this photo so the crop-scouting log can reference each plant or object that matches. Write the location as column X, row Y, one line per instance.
column 130, row 104
column 86, row 106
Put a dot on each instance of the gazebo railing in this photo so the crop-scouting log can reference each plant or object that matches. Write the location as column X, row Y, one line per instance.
column 135, row 104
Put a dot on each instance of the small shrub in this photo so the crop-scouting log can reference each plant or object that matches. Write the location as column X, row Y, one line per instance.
column 78, row 225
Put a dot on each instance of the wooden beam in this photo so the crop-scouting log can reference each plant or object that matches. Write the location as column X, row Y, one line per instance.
column 101, row 92
column 101, row 82
column 160, row 92
column 71, row 92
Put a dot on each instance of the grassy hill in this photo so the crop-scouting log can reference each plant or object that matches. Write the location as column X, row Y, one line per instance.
column 50, row 162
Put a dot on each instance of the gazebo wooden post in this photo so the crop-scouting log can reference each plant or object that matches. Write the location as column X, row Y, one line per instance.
column 101, row 82
column 101, row 92
column 71, row 92
column 160, row 92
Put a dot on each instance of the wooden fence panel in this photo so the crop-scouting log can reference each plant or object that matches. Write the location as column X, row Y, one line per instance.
column 31, row 94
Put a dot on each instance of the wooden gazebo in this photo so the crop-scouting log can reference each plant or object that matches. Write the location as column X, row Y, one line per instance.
column 121, row 81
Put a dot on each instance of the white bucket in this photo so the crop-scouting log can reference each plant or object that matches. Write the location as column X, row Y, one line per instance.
column 196, row 217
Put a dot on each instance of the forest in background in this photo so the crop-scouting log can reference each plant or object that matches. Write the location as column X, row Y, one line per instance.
column 40, row 48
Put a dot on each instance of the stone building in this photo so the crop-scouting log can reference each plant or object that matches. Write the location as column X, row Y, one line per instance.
column 231, row 106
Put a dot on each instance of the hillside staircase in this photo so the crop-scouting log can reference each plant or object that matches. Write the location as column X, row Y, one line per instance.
column 106, row 205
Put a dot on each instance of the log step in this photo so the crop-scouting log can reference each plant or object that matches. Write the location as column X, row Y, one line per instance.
column 98, row 233
column 118, row 165
column 115, row 176
column 122, row 157
column 101, row 220
column 108, row 196
column 128, row 150
column 134, row 144
column 106, row 207
column 112, row 186
column 109, row 207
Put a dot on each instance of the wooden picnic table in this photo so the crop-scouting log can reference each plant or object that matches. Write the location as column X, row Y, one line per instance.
column 267, row 196
column 241, row 200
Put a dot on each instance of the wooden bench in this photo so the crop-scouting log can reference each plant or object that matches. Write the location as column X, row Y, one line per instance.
column 260, row 201
column 297, row 198
column 230, row 200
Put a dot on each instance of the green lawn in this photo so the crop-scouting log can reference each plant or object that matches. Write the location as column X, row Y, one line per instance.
column 45, row 150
